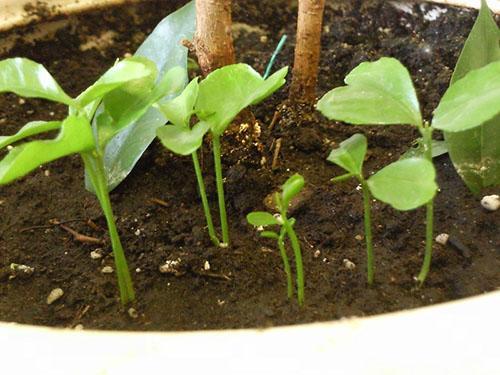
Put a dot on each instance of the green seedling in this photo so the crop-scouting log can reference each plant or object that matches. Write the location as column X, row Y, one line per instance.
column 223, row 94
column 127, row 90
column 382, row 93
column 182, row 139
column 290, row 189
column 405, row 184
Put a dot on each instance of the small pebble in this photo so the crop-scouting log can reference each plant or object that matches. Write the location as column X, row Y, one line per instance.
column 138, row 270
column 78, row 327
column 127, row 55
column 46, row 173
column 348, row 264
column 96, row 254
column 54, row 295
column 137, row 232
column 491, row 202
column 21, row 270
column 358, row 237
column 133, row 313
column 172, row 267
column 221, row 302
column 263, row 39
column 317, row 253
column 107, row 269
column 206, row 266
column 442, row 238
column 21, row 101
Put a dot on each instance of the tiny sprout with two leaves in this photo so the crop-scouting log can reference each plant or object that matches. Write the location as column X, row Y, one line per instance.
column 405, row 184
column 126, row 90
column 290, row 189
column 382, row 93
column 216, row 101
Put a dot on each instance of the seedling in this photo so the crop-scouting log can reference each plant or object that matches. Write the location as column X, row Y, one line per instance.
column 181, row 139
column 290, row 189
column 382, row 93
column 127, row 90
column 405, row 184
column 222, row 95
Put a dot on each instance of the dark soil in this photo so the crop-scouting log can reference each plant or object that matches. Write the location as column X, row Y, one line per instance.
column 160, row 216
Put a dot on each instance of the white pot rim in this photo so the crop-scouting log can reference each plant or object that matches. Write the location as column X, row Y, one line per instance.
column 457, row 337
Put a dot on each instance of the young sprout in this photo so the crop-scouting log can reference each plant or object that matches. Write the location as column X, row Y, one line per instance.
column 223, row 94
column 382, row 93
column 405, row 184
column 127, row 90
column 263, row 219
column 182, row 139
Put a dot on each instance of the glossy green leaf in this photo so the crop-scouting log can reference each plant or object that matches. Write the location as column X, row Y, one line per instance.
column 471, row 101
column 182, row 140
column 379, row 92
column 75, row 137
column 418, row 149
column 120, row 74
column 27, row 78
column 261, row 219
column 475, row 153
column 163, row 47
column 351, row 154
column 179, row 110
column 225, row 92
column 28, row 130
column 405, row 184
column 291, row 188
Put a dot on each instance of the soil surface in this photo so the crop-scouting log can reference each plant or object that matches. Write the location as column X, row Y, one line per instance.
column 159, row 214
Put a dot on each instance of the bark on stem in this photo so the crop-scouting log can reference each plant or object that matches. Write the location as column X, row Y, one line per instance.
column 213, row 40
column 307, row 50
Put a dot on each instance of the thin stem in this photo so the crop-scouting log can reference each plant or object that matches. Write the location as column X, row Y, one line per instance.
column 95, row 168
column 204, row 200
column 429, row 222
column 368, row 231
column 298, row 257
column 286, row 263
column 278, row 49
column 220, row 189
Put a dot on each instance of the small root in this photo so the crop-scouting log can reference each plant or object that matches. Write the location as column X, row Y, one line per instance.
column 277, row 149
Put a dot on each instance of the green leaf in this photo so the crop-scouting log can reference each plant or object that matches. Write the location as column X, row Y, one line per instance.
column 28, row 130
column 29, row 79
column 225, row 92
column 474, row 153
column 291, row 188
column 75, row 137
column 120, row 74
column 163, row 47
column 405, row 184
column 261, row 219
column 418, row 149
column 182, row 140
column 179, row 110
column 351, row 154
column 378, row 92
column 471, row 101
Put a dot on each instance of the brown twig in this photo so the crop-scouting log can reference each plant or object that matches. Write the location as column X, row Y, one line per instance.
column 81, row 237
column 94, row 226
column 277, row 150
column 53, row 223
column 275, row 120
column 213, row 275
column 159, row 202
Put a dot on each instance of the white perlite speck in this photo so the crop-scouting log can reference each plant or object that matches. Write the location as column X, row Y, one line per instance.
column 442, row 238
column 206, row 266
column 133, row 313
column 96, row 254
column 107, row 269
column 348, row 264
column 54, row 295
column 491, row 202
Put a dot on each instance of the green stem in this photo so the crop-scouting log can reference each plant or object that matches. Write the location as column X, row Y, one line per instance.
column 429, row 222
column 298, row 257
column 204, row 200
column 95, row 168
column 286, row 262
column 368, row 231
column 220, row 189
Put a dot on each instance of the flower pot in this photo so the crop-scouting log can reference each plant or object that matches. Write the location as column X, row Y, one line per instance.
column 457, row 337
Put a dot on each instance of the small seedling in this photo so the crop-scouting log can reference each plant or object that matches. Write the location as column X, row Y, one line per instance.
column 382, row 93
column 223, row 94
column 182, row 139
column 290, row 189
column 127, row 90
column 405, row 184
